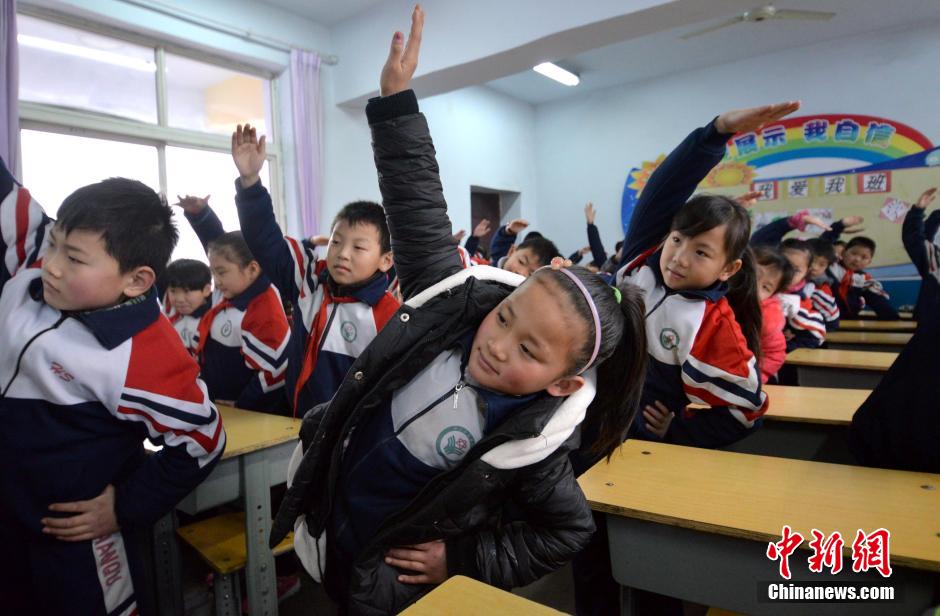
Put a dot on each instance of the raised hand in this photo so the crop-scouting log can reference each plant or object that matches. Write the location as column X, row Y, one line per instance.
column 747, row 120
column 590, row 213
column 249, row 153
column 402, row 57
column 319, row 240
column 459, row 235
column 584, row 250
column 483, row 227
column 926, row 199
column 517, row 225
column 816, row 220
column 192, row 205
column 749, row 199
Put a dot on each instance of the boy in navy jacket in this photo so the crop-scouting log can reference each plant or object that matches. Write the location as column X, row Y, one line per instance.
column 89, row 369
column 340, row 303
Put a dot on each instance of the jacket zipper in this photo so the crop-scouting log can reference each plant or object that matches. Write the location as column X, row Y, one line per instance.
column 19, row 359
column 658, row 304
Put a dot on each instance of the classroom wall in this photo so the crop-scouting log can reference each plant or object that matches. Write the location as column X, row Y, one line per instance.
column 585, row 146
column 483, row 138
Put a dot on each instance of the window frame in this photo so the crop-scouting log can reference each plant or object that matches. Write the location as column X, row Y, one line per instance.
column 86, row 123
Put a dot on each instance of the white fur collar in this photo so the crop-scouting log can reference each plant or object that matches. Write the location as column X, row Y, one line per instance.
column 480, row 272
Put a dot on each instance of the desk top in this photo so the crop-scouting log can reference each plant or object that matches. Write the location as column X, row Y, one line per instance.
column 871, row 314
column 247, row 431
column 461, row 596
column 877, row 326
column 753, row 497
column 820, row 405
column 832, row 358
column 869, row 337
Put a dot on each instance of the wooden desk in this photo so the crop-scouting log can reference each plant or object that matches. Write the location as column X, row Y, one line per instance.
column 868, row 340
column 257, row 449
column 695, row 523
column 870, row 314
column 838, row 368
column 804, row 423
column 462, row 596
column 877, row 326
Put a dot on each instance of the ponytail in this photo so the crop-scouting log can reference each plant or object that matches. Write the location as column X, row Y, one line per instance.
column 742, row 296
column 620, row 378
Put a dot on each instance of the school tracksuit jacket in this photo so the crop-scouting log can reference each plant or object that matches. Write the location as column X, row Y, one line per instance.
column 187, row 325
column 331, row 324
column 698, row 353
column 80, row 393
column 817, row 310
column 242, row 342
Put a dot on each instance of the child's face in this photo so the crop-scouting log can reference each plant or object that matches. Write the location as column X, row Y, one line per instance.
column 799, row 259
column 768, row 281
column 78, row 273
column 231, row 279
column 524, row 345
column 522, row 261
column 187, row 301
column 857, row 258
column 696, row 262
column 818, row 267
column 355, row 253
column 839, row 248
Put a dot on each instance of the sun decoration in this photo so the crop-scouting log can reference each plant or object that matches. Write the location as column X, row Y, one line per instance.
column 729, row 174
column 638, row 177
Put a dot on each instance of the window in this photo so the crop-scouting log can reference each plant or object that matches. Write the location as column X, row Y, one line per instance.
column 98, row 103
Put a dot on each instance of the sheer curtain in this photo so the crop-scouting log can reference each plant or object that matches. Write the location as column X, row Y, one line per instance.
column 305, row 112
column 9, row 88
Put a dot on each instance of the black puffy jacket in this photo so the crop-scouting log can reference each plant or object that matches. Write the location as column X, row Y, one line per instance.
column 512, row 510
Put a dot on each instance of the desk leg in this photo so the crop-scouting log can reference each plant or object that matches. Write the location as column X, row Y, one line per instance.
column 166, row 558
column 260, row 576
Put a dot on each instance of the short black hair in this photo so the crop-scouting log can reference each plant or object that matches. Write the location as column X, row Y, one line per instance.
column 773, row 259
column 543, row 248
column 135, row 223
column 864, row 242
column 838, row 243
column 187, row 274
column 531, row 235
column 366, row 213
column 821, row 248
column 793, row 243
column 232, row 246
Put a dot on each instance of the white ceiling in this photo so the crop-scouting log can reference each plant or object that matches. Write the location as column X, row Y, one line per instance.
column 325, row 12
column 664, row 52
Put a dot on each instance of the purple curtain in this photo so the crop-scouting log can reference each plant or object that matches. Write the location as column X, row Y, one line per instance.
column 305, row 111
column 9, row 88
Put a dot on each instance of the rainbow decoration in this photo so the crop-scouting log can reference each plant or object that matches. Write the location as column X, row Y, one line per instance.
column 875, row 142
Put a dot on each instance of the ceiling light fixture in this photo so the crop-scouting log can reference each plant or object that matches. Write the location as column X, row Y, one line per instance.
column 553, row 71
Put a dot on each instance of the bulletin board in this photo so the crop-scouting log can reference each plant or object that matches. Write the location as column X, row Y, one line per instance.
column 834, row 165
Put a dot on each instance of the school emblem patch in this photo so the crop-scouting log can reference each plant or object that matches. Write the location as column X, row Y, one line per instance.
column 227, row 329
column 669, row 338
column 348, row 330
column 454, row 442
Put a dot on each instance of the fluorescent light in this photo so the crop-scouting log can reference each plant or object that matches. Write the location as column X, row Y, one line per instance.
column 553, row 71
column 97, row 55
